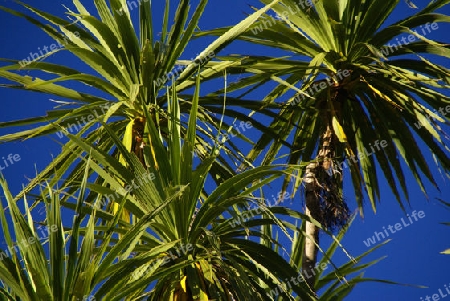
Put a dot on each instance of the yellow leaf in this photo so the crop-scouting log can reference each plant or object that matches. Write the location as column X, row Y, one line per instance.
column 338, row 130
column 385, row 97
column 127, row 140
column 183, row 284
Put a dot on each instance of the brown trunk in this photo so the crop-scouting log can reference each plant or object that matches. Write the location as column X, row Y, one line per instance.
column 315, row 177
column 312, row 240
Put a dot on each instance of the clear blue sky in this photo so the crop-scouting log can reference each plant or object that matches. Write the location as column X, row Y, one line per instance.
column 413, row 254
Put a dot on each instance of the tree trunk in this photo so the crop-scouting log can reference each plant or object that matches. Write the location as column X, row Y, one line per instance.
column 312, row 241
column 317, row 181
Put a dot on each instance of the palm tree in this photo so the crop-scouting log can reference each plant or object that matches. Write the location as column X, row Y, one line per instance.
column 76, row 261
column 137, row 138
column 353, row 96
column 134, row 71
column 185, row 246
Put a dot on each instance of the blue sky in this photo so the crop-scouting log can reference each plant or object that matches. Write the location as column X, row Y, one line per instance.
column 412, row 255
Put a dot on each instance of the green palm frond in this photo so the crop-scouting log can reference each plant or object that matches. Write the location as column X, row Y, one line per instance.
column 344, row 66
column 133, row 70
column 332, row 281
column 173, row 210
